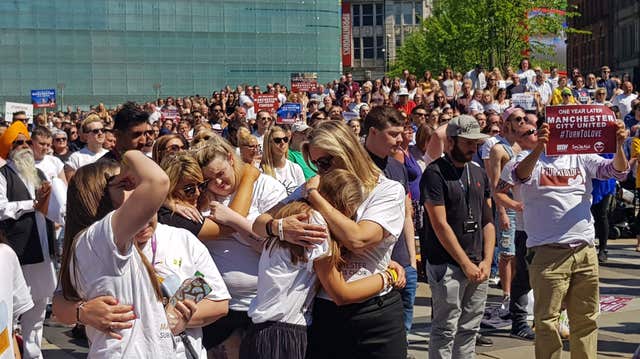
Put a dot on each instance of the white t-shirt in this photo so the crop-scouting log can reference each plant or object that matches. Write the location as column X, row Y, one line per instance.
column 291, row 176
column 286, row 290
column 543, row 89
column 449, row 87
column 558, row 195
column 51, row 166
column 475, row 107
column 485, row 148
column 84, row 157
column 526, row 77
column 15, row 298
column 384, row 206
column 234, row 256
column 99, row 270
column 507, row 176
column 179, row 255
column 624, row 103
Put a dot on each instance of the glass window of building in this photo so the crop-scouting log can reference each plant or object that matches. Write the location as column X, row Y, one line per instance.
column 380, row 47
column 367, row 47
column 356, row 14
column 367, row 14
column 407, row 13
column 356, row 48
column 379, row 14
column 418, row 12
column 397, row 14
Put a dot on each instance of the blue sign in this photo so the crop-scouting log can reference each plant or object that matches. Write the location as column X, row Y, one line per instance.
column 43, row 98
column 289, row 113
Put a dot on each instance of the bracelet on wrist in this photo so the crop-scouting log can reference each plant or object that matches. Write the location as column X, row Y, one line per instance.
column 269, row 229
column 280, row 230
column 78, row 312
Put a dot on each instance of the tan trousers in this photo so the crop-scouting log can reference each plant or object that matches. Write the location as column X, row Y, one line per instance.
column 569, row 275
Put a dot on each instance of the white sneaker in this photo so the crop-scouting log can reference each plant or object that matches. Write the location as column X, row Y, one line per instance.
column 494, row 280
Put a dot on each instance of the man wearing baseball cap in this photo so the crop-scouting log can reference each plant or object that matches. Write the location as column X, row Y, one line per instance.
column 459, row 238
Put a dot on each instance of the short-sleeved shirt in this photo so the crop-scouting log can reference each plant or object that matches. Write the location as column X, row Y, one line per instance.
column 444, row 184
column 51, row 166
column 15, row 298
column 297, row 158
column 100, row 269
column 84, row 157
column 286, row 290
column 395, row 170
column 179, row 255
column 234, row 255
column 384, row 206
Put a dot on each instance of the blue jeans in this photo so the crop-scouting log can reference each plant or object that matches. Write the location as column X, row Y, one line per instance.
column 409, row 295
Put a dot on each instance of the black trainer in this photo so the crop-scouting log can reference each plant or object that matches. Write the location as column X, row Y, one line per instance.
column 523, row 332
column 483, row 341
column 602, row 257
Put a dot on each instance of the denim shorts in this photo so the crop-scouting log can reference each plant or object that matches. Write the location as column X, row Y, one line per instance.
column 506, row 237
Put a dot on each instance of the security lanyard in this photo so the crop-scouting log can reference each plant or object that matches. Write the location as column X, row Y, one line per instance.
column 466, row 191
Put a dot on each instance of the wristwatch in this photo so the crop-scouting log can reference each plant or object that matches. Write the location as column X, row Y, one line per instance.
column 307, row 191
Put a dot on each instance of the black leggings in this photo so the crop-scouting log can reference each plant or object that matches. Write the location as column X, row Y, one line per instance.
column 600, row 213
column 373, row 329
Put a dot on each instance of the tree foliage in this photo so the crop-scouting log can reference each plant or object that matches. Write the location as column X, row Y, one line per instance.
column 462, row 33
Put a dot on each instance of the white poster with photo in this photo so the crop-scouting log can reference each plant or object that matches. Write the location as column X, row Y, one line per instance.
column 525, row 100
column 11, row 107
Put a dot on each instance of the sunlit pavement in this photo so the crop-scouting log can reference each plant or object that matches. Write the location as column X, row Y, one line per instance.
column 619, row 334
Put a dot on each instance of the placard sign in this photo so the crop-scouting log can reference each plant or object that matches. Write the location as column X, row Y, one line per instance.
column 304, row 82
column 266, row 102
column 580, row 129
column 525, row 100
column 11, row 107
column 43, row 98
column 289, row 113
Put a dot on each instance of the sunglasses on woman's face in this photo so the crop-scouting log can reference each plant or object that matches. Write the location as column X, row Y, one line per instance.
column 279, row 140
column 190, row 189
column 323, row 164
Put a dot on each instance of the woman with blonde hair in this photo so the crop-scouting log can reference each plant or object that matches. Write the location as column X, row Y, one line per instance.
column 369, row 237
column 112, row 211
column 275, row 162
column 249, row 147
column 280, row 321
column 237, row 254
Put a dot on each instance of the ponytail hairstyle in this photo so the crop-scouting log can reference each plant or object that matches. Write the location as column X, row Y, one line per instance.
column 88, row 201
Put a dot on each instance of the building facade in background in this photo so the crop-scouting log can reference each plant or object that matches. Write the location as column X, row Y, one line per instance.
column 115, row 50
column 378, row 29
column 614, row 37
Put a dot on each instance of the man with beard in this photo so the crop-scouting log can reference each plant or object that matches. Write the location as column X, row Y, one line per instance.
column 24, row 197
column 459, row 239
column 132, row 131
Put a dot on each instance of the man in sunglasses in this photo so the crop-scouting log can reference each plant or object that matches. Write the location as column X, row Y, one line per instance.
column 383, row 127
column 507, row 223
column 132, row 131
column 24, row 196
column 556, row 197
column 93, row 132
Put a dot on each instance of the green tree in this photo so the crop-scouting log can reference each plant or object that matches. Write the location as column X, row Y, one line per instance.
column 462, row 33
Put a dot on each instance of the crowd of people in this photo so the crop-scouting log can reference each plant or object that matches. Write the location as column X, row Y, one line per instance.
column 198, row 227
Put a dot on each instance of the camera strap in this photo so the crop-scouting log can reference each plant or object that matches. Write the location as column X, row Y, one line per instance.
column 466, row 191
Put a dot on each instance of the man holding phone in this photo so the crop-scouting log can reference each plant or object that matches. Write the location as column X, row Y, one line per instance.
column 24, row 199
column 563, row 265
